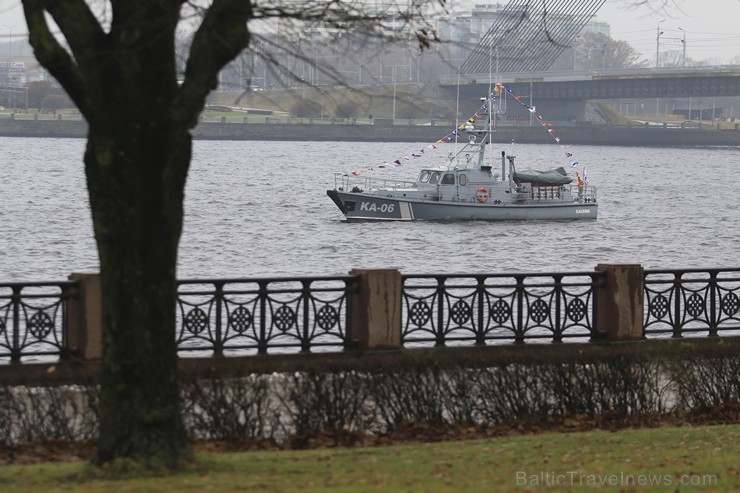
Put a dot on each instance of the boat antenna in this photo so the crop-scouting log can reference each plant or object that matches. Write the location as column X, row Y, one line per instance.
column 490, row 71
column 457, row 108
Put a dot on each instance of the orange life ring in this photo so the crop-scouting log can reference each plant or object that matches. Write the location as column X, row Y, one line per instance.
column 482, row 194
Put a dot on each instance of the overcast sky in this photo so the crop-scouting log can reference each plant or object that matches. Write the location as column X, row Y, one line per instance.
column 711, row 27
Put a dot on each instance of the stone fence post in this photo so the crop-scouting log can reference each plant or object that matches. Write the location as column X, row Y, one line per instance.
column 85, row 318
column 375, row 311
column 619, row 304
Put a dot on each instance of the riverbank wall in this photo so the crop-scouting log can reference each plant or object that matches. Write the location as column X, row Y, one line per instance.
column 265, row 128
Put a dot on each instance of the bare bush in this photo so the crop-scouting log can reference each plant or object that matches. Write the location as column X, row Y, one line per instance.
column 229, row 408
column 343, row 406
column 317, row 402
column 48, row 413
column 706, row 383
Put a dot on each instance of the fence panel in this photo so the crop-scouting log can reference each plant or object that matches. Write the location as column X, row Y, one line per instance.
column 33, row 322
column 248, row 316
column 479, row 309
column 692, row 302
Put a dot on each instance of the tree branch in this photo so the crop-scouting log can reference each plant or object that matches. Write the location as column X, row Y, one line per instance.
column 83, row 34
column 222, row 35
column 391, row 21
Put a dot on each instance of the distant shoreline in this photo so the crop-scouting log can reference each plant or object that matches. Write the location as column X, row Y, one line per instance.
column 582, row 134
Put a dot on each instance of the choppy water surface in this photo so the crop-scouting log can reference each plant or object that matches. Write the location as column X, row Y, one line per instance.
column 260, row 209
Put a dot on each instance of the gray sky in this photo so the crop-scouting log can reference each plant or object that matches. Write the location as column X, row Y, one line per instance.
column 712, row 27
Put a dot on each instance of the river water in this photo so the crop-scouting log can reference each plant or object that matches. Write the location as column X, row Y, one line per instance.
column 260, row 209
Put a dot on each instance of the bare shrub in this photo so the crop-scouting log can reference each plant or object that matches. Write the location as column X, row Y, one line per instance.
column 47, row 413
column 328, row 401
column 341, row 407
column 229, row 407
column 707, row 382
column 346, row 109
column 407, row 396
column 625, row 387
column 305, row 109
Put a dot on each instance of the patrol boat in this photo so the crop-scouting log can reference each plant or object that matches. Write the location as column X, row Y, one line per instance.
column 468, row 188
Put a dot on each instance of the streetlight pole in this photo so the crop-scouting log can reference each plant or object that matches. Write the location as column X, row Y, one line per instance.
column 657, row 45
column 657, row 63
column 683, row 42
column 603, row 52
column 11, row 94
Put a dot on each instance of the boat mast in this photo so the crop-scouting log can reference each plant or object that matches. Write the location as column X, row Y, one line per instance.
column 489, row 97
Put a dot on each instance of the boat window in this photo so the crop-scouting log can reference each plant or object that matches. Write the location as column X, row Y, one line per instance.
column 463, row 179
column 448, row 179
column 424, row 177
column 434, row 178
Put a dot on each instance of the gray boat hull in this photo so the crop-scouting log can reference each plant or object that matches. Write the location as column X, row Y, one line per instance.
column 360, row 206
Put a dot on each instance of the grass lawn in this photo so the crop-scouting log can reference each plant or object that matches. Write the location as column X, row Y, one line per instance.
column 701, row 458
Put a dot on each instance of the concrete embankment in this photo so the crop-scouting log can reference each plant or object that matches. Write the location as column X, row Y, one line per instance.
column 653, row 135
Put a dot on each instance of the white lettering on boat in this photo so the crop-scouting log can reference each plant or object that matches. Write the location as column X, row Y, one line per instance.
column 583, row 211
column 372, row 207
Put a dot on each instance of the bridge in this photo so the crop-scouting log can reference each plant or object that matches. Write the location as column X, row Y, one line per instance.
column 637, row 83
column 566, row 93
column 526, row 38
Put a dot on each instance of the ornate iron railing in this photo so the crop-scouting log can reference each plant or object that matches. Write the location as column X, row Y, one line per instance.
column 464, row 309
column 692, row 302
column 33, row 321
column 247, row 316
column 257, row 315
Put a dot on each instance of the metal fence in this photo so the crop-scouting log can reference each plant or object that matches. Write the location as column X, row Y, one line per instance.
column 256, row 315
column 463, row 309
column 692, row 302
column 33, row 320
column 268, row 315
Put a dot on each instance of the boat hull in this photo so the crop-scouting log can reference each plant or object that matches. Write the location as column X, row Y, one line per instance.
column 361, row 206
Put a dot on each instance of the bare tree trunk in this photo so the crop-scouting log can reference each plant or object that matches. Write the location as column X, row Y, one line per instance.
column 123, row 78
column 119, row 68
column 136, row 181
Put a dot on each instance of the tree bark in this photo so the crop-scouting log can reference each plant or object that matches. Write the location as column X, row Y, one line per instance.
column 136, row 192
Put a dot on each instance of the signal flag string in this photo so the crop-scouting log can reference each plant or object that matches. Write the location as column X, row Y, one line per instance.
column 455, row 133
column 547, row 125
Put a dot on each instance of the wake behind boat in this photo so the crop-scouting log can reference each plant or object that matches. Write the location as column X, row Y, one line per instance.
column 468, row 188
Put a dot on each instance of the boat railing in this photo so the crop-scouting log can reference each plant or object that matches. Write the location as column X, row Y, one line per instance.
column 347, row 182
column 586, row 193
